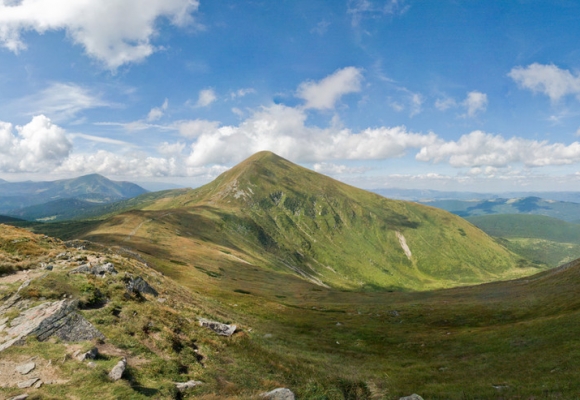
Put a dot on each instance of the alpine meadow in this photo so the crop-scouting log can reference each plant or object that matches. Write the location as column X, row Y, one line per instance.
column 291, row 200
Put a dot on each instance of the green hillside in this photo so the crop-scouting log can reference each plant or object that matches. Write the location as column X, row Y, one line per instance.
column 508, row 340
column 538, row 238
column 280, row 216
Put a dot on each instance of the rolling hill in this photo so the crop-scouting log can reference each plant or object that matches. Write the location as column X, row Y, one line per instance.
column 90, row 188
column 273, row 214
column 536, row 237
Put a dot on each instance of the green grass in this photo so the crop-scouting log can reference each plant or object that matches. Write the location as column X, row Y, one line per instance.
column 322, row 343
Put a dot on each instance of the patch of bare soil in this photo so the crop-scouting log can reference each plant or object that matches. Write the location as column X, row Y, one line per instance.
column 45, row 370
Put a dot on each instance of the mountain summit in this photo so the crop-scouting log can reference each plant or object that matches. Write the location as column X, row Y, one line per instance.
column 278, row 215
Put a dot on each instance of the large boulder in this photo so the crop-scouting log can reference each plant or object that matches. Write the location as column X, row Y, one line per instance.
column 140, row 285
column 117, row 371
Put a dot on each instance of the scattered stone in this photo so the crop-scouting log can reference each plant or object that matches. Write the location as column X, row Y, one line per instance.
column 268, row 335
column 161, row 300
column 393, row 313
column 338, row 324
column 38, row 384
column 117, row 371
column 91, row 364
column 218, row 327
column 19, row 397
column 49, row 267
column 28, row 383
column 141, row 286
column 278, row 394
column 25, row 368
column 500, row 386
column 98, row 270
column 411, row 397
column 183, row 386
column 92, row 354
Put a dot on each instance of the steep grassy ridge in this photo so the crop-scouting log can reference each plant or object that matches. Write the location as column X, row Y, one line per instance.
column 278, row 215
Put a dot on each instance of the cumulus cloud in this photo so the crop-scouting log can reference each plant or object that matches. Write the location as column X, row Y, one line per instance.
column 283, row 130
column 337, row 169
column 36, row 146
column 325, row 93
column 194, row 128
column 114, row 32
column 157, row 112
column 478, row 149
column 62, row 101
column 547, row 79
column 474, row 103
column 137, row 165
column 206, row 97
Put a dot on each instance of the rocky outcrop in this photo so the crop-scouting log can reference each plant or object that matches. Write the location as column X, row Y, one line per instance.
column 98, row 270
column 117, row 371
column 48, row 319
column 278, row 394
column 218, row 327
column 140, row 285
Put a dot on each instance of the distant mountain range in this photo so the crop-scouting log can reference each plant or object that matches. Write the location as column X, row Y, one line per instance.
column 426, row 195
column 566, row 211
column 62, row 199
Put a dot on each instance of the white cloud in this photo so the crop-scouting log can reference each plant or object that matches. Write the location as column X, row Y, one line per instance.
column 206, row 97
column 138, row 165
column 62, row 101
column 157, row 112
column 36, row 146
column 282, row 129
column 445, row 103
column 325, row 93
column 478, row 149
column 194, row 128
column 547, row 79
column 474, row 103
column 321, row 28
column 242, row 92
column 336, row 169
column 416, row 101
column 360, row 9
column 115, row 32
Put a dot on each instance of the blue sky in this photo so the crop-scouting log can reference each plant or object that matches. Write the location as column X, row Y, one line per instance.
column 449, row 95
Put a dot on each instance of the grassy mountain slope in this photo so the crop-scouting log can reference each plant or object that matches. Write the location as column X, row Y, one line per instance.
column 274, row 214
column 566, row 211
column 511, row 339
column 91, row 188
column 536, row 237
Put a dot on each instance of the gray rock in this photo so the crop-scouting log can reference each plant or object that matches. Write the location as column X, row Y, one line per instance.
column 38, row 384
column 28, row 383
column 19, row 397
column 117, row 371
column 92, row 354
column 48, row 319
column 183, row 386
column 25, row 368
column 140, row 285
column 98, row 270
column 411, row 397
column 49, row 267
column 279, row 394
column 218, row 327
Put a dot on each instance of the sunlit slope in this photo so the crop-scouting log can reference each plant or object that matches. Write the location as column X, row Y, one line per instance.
column 275, row 214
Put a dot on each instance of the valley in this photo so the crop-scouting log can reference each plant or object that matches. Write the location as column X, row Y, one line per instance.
column 336, row 293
